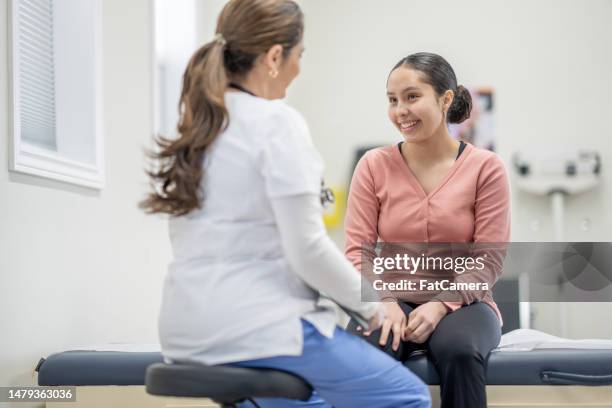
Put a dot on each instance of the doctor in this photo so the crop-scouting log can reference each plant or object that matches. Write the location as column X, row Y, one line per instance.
column 242, row 185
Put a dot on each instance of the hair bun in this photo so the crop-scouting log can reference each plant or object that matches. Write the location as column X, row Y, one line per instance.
column 461, row 106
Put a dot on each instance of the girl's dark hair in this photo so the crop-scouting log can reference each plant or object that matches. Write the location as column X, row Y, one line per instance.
column 245, row 30
column 439, row 74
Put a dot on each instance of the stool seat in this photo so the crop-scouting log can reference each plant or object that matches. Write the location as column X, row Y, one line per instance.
column 223, row 384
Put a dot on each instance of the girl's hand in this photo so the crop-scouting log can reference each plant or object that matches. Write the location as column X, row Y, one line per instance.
column 395, row 321
column 423, row 320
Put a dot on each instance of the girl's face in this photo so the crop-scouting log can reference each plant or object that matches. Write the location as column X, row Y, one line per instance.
column 414, row 107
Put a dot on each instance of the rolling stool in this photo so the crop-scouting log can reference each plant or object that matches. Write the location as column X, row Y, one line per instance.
column 224, row 385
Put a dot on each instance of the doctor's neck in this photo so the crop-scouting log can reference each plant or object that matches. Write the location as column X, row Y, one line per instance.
column 257, row 83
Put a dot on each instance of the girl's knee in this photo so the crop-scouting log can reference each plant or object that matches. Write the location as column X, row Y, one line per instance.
column 464, row 355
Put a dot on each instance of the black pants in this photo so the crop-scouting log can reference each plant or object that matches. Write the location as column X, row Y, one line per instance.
column 458, row 347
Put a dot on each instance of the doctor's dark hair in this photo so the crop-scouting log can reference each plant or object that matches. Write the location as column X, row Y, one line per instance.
column 245, row 30
column 438, row 73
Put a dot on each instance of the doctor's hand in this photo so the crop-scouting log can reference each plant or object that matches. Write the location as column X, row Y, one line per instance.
column 394, row 324
column 423, row 320
column 375, row 321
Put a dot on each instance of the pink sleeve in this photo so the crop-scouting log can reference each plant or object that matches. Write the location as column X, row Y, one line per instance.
column 361, row 222
column 491, row 225
column 492, row 206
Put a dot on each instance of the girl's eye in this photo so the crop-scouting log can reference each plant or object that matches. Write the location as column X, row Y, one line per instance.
column 392, row 100
column 411, row 97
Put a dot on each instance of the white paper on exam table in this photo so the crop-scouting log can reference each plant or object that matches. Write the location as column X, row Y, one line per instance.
column 516, row 340
column 528, row 339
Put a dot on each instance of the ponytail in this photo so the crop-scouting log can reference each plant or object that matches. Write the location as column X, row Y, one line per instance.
column 203, row 115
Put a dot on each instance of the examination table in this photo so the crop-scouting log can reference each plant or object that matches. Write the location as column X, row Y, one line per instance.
column 536, row 378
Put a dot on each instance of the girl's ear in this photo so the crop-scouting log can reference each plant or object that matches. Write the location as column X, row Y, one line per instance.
column 447, row 99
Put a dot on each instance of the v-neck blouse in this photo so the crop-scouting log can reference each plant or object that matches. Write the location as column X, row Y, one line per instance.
column 418, row 188
column 387, row 203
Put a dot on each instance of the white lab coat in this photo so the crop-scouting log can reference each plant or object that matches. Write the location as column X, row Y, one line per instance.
column 231, row 292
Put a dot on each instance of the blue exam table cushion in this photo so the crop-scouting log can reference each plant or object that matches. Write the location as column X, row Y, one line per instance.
column 96, row 368
column 535, row 367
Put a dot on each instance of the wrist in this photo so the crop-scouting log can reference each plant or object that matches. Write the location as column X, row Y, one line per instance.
column 442, row 308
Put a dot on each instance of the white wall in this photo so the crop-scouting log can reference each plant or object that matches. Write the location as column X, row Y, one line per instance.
column 548, row 60
column 78, row 266
column 175, row 41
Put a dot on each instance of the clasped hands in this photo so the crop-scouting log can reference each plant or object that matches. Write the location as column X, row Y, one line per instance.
column 416, row 327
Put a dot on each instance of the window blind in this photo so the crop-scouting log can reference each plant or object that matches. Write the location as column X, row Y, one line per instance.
column 36, row 70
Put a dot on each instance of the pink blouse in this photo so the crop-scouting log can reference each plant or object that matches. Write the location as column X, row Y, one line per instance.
column 387, row 203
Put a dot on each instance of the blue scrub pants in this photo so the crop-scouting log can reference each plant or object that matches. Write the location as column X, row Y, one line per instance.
column 345, row 372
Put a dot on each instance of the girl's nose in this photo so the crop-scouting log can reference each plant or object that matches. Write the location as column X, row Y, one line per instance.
column 401, row 110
